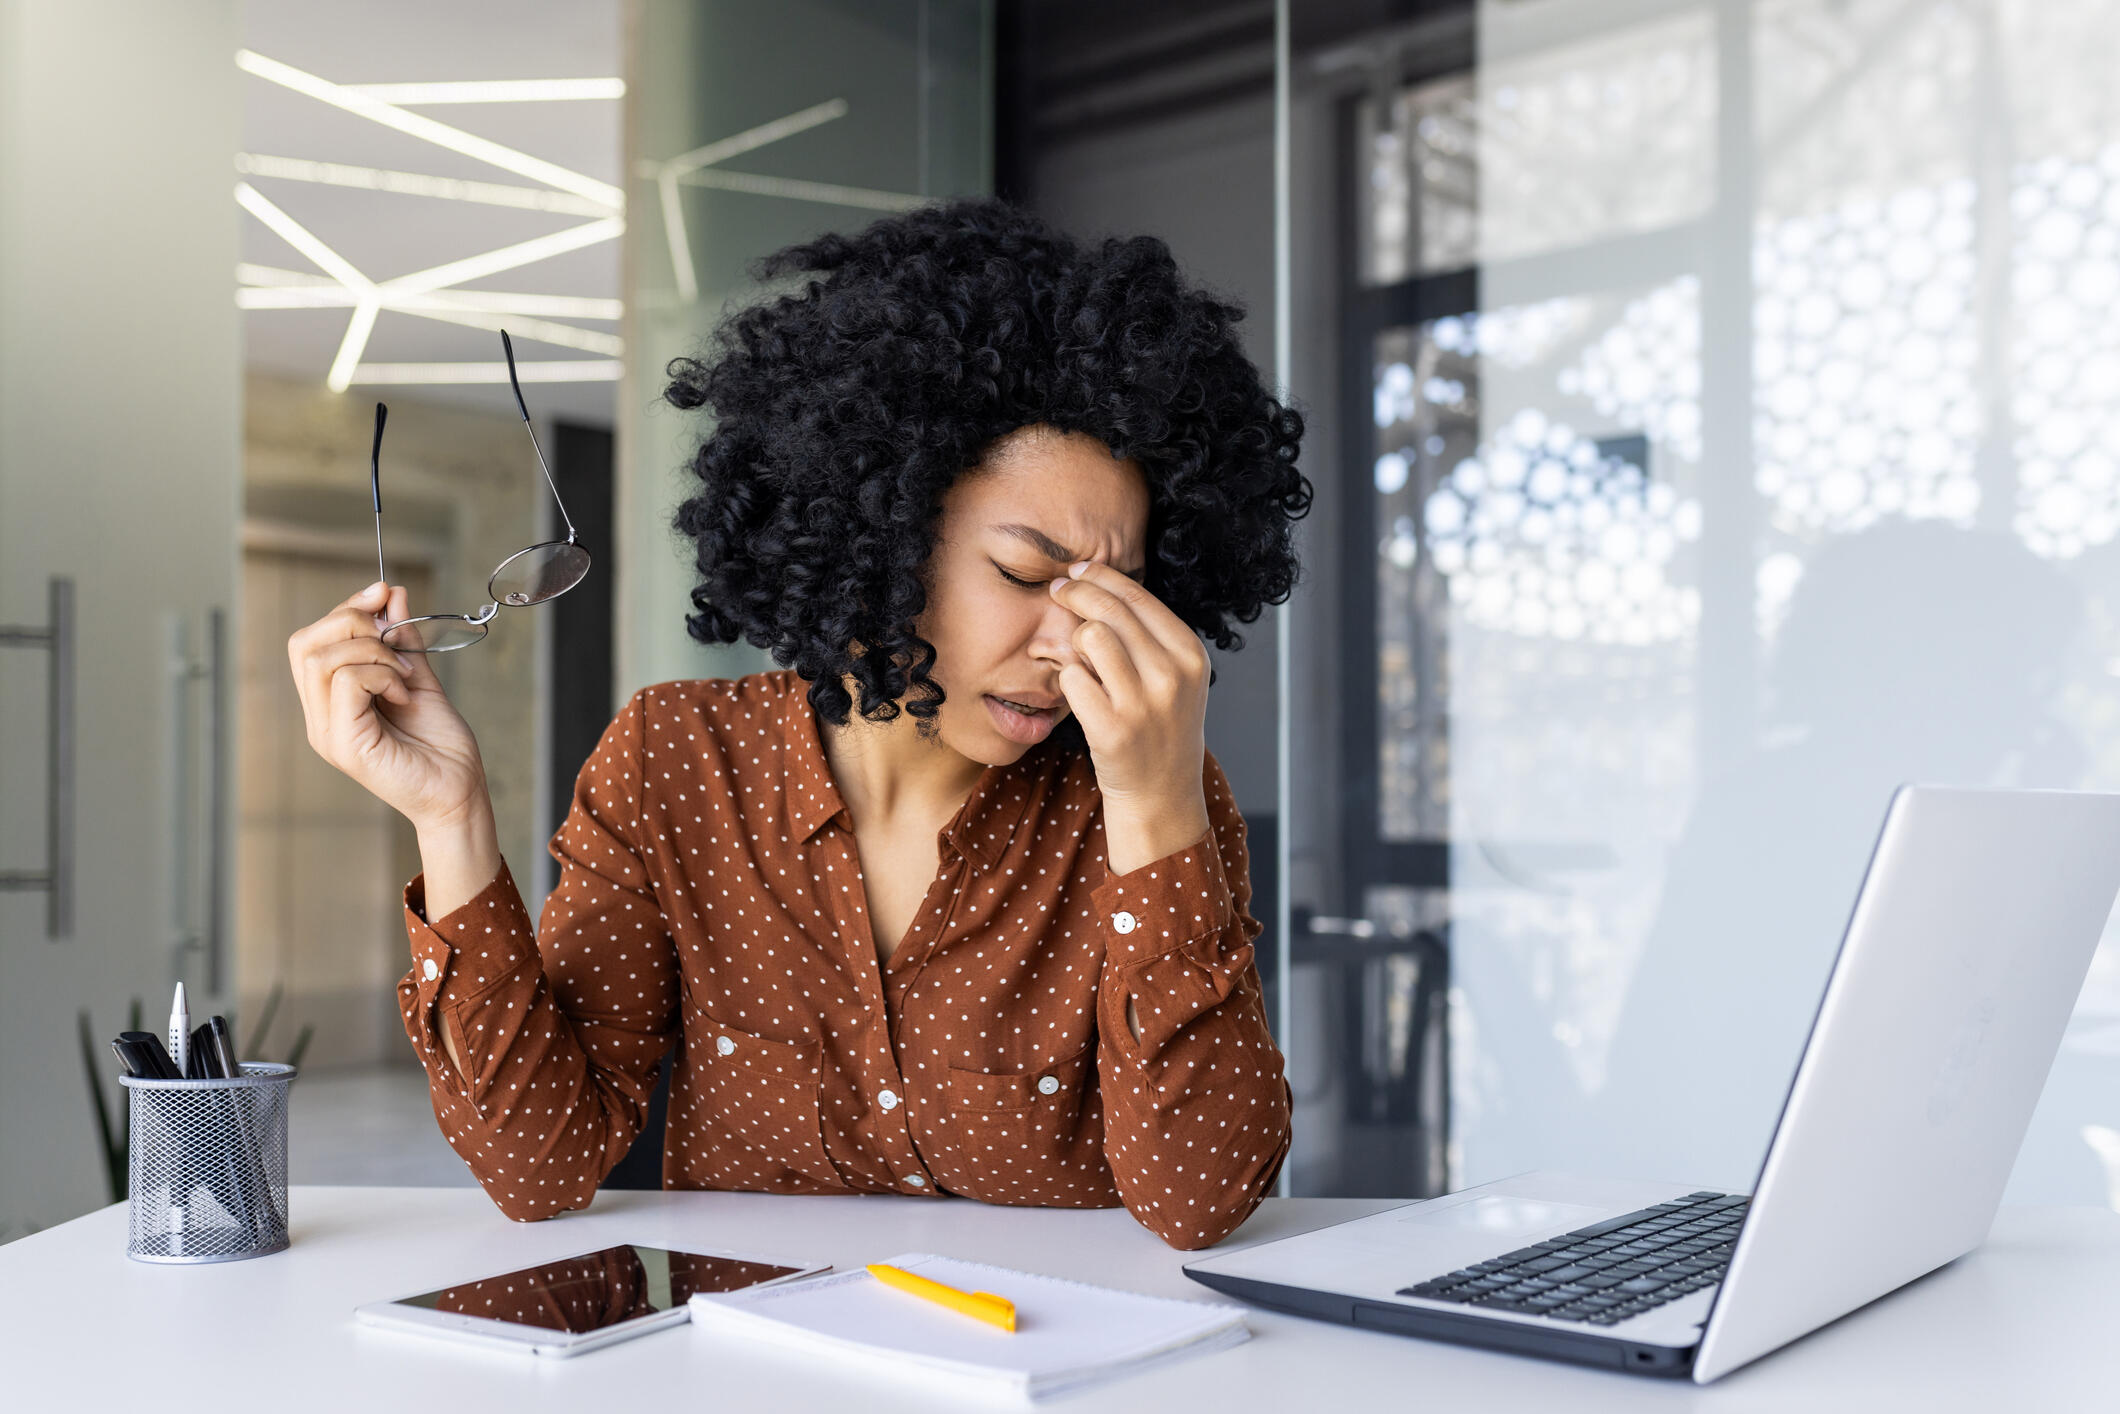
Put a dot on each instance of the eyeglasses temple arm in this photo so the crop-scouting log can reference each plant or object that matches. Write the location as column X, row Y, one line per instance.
column 508, row 347
column 375, row 487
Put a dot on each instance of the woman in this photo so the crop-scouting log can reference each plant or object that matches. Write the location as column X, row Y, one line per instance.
column 957, row 901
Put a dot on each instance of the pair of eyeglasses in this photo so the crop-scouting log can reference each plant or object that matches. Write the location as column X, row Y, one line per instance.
column 526, row 577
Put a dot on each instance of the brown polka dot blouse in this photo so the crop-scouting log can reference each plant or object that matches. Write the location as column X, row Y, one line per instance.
column 710, row 895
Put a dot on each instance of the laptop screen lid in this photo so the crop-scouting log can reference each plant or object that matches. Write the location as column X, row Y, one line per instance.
column 1960, row 964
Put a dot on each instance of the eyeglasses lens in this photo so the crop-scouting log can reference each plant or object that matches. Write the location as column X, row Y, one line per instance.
column 538, row 573
column 439, row 634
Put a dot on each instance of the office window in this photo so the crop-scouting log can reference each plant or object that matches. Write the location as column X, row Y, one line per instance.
column 1725, row 403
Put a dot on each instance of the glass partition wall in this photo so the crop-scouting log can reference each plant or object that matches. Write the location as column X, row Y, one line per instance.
column 751, row 128
column 1715, row 408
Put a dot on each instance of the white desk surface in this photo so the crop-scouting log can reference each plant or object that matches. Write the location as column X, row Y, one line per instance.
column 2026, row 1322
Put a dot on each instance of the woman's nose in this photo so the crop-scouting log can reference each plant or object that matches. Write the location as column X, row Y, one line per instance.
column 1056, row 629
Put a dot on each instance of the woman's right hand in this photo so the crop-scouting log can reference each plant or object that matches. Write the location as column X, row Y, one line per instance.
column 381, row 716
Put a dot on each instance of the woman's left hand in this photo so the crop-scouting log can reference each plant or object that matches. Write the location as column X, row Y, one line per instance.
column 1139, row 688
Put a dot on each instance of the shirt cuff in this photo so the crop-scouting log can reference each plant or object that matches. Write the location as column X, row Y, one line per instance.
column 1171, row 943
column 1164, row 904
column 458, row 958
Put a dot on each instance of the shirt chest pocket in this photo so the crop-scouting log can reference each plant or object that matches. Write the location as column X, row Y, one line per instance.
column 762, row 1097
column 1016, row 1110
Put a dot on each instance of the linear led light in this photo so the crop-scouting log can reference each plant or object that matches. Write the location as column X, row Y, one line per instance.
column 665, row 175
column 416, row 293
column 556, row 371
column 353, row 345
column 493, row 91
column 508, row 302
column 295, row 234
column 566, row 336
column 723, row 150
column 276, row 291
column 366, row 304
column 830, row 193
column 673, row 219
column 340, row 174
column 429, row 130
column 493, row 262
column 437, row 308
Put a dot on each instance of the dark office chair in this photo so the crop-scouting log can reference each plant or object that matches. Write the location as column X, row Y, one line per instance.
column 1393, row 1052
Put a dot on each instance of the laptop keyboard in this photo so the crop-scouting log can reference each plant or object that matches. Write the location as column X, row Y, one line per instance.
column 1609, row 1271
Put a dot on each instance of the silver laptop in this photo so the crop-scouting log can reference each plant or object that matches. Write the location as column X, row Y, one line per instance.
column 1968, row 943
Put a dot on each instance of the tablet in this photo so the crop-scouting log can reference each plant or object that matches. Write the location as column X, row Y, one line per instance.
column 579, row 1303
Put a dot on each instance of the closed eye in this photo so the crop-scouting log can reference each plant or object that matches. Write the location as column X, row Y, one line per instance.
column 1019, row 583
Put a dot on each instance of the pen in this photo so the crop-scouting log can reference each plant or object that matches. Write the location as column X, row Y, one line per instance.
column 221, row 1044
column 180, row 1031
column 980, row 1305
column 204, row 1063
column 224, row 1045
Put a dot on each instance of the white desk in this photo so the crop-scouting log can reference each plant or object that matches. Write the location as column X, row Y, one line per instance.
column 2027, row 1322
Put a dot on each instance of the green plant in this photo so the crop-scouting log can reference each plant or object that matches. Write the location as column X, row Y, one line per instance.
column 116, row 1140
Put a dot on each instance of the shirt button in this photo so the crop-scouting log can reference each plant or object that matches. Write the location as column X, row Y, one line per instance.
column 725, row 1046
column 1124, row 921
column 1047, row 1084
column 916, row 1180
column 432, row 970
column 887, row 1099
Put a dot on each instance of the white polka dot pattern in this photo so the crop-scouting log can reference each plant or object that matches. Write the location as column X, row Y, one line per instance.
column 710, row 896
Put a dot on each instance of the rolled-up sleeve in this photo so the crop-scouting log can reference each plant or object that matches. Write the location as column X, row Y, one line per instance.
column 562, row 1027
column 1197, row 1109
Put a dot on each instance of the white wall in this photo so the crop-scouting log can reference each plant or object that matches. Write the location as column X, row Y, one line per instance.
column 120, row 400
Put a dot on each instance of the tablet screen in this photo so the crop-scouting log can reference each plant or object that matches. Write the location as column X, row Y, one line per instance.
column 597, row 1289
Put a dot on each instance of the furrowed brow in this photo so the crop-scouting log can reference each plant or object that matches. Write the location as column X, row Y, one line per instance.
column 1052, row 549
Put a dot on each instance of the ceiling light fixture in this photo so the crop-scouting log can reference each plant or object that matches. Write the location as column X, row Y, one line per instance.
column 369, row 298
column 436, row 307
column 830, row 193
column 354, row 344
column 557, row 371
column 425, row 293
column 267, row 287
column 337, row 266
column 493, row 91
column 340, row 174
column 492, row 262
column 667, row 173
column 566, row 336
column 429, row 130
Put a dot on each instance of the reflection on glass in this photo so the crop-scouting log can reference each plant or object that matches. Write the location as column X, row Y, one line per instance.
column 597, row 1289
column 1419, row 198
column 1773, row 459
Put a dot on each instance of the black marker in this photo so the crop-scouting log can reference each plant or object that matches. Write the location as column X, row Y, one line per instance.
column 224, row 1046
column 149, row 1059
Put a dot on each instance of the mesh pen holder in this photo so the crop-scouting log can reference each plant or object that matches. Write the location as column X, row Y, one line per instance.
column 208, row 1168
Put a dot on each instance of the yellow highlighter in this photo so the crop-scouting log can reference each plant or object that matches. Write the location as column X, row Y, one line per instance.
column 982, row 1305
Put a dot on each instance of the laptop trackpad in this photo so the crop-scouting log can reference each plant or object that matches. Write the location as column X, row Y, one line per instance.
column 1502, row 1215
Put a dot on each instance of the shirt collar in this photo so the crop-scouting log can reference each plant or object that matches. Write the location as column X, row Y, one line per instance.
column 981, row 829
column 812, row 798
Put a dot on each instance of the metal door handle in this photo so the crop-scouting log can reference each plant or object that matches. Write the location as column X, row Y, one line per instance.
column 210, row 936
column 58, row 875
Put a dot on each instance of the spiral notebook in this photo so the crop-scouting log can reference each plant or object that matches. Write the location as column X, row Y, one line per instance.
column 1068, row 1334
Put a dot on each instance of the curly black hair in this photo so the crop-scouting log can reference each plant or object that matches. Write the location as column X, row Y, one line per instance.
column 843, row 411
